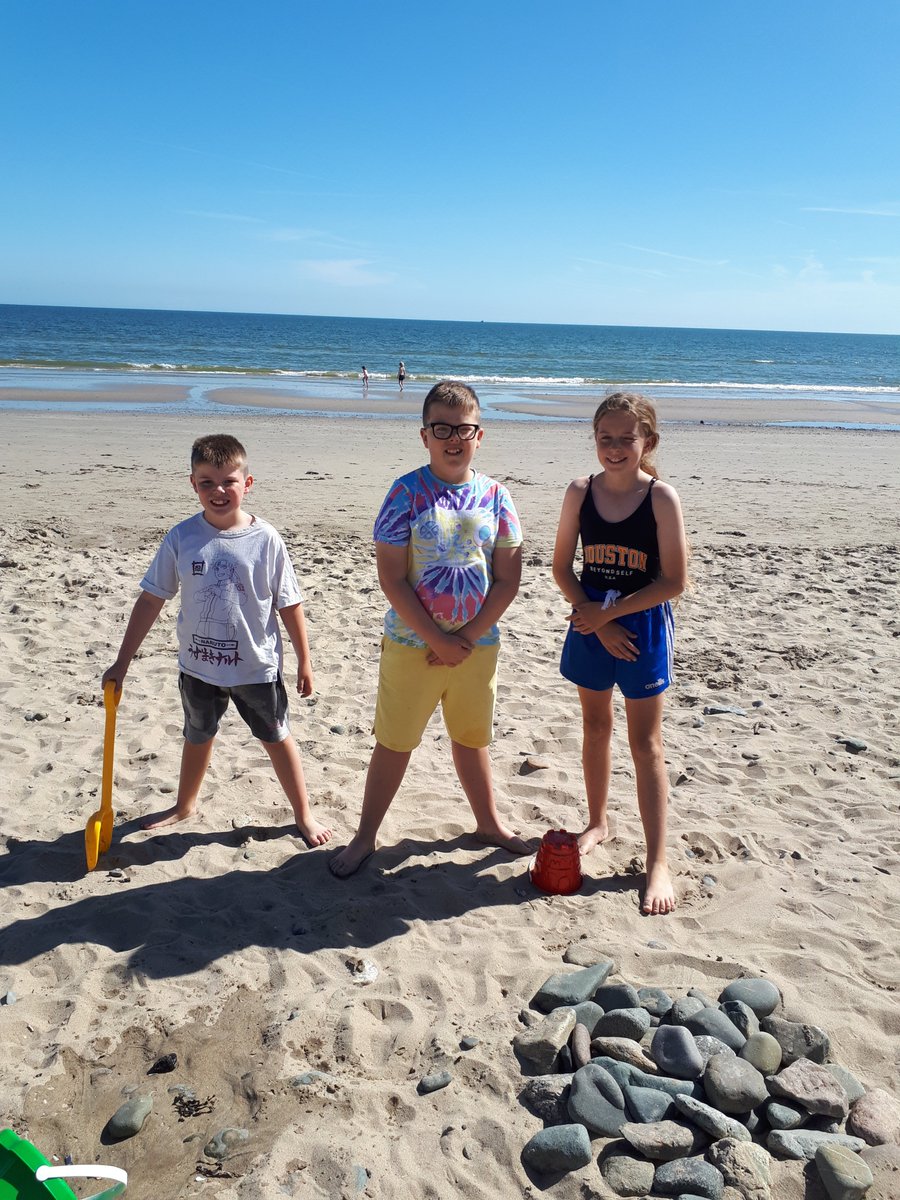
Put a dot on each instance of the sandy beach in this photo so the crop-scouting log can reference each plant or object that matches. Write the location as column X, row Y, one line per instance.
column 227, row 942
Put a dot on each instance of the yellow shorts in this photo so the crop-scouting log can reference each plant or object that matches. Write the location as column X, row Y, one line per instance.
column 409, row 690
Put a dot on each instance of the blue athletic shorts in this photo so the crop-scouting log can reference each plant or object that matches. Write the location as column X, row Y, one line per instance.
column 587, row 663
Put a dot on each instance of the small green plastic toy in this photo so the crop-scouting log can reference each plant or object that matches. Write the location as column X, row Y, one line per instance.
column 26, row 1175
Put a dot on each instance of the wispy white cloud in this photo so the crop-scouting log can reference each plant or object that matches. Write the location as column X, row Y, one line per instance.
column 885, row 210
column 344, row 272
column 320, row 237
column 703, row 262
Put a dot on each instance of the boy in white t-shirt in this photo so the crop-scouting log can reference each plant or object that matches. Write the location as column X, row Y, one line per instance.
column 236, row 579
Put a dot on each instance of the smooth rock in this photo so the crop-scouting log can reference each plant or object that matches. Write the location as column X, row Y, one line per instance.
column 803, row 1143
column 588, row 1013
column 712, row 710
column 625, row 1074
column 129, row 1118
column 662, row 1140
column 763, row 1051
column 811, row 1087
column 713, row 1122
column 539, row 1045
column 797, row 1040
column 308, row 1079
column 656, row 1001
column 617, row 995
column 647, row 1104
column 585, row 954
column 854, row 745
column 848, row 1082
column 844, row 1174
column 744, row 1166
column 571, row 987
column 630, row 1023
column 627, row 1176
column 759, row 994
column 625, row 1050
column 225, row 1143
column 733, row 1085
column 742, row 1017
column 781, row 1115
column 675, row 1052
column 875, row 1117
column 469, row 1042
column 684, row 1007
column 546, row 1097
column 692, row 1175
column 708, row 1046
column 558, row 1149
column 434, row 1083
column 596, row 1100
column 698, row 994
column 714, row 1023
column 8, row 998
column 580, row 1046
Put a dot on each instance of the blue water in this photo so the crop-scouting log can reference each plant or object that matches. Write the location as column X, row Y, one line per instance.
column 92, row 347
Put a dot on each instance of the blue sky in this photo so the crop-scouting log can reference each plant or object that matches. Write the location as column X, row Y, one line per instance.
column 699, row 162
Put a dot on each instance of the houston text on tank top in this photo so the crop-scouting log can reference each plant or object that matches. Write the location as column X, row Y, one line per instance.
column 621, row 556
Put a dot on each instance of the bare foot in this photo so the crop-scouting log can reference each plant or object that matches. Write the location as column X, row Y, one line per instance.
column 592, row 836
column 506, row 839
column 313, row 833
column 170, row 816
column 348, row 861
column 659, row 895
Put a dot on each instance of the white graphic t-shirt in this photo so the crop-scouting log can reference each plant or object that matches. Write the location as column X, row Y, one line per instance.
column 233, row 582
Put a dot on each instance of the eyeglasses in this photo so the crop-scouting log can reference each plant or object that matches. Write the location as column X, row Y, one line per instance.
column 444, row 432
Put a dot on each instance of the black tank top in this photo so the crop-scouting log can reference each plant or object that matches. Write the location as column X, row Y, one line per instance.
column 619, row 555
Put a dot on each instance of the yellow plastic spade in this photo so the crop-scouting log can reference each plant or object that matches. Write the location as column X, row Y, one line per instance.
column 98, row 831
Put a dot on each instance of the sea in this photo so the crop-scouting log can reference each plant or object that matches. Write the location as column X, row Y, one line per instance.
column 84, row 349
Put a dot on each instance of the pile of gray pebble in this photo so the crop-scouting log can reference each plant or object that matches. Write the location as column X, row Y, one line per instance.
column 699, row 1093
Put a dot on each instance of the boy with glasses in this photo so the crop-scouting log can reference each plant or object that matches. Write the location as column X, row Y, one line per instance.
column 448, row 545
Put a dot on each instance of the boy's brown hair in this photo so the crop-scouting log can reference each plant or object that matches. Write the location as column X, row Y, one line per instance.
column 454, row 394
column 218, row 450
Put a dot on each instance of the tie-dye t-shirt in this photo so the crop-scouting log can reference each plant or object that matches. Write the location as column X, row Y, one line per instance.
column 451, row 531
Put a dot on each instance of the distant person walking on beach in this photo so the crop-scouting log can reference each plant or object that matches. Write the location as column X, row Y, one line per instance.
column 448, row 547
column 634, row 561
column 401, row 374
column 365, row 377
column 236, row 580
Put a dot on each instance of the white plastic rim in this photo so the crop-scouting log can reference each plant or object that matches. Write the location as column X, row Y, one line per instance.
column 96, row 1171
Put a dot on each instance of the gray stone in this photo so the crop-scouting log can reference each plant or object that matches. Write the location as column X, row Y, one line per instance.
column 625, row 1050
column 571, row 987
column 781, row 1115
column 564, row 1060
column 225, row 1143
column 854, row 745
column 617, row 995
column 744, row 1166
column 763, row 1051
column 697, row 994
column 559, row 1149
column 803, row 1143
column 812, row 1087
column 309, row 1079
column 630, row 1023
column 434, row 1083
column 708, row 1046
column 713, row 1122
column 712, row 710
column 624, row 1074
column 844, row 1174
column 621, row 1072
column 662, row 1140
column 675, row 1053
column 713, row 1022
column 584, row 954
column 129, row 1118
column 797, row 1040
column 647, row 1104
column 742, row 1017
column 469, row 1042
column 546, row 1097
column 627, row 1176
column 760, row 994
column 733, row 1085
column 596, row 1100
column 588, row 1013
column 8, row 998
column 539, row 1045
column 684, row 1007
column 693, row 1175
column 656, row 1001
column 848, row 1082
column 875, row 1117
column 580, row 1046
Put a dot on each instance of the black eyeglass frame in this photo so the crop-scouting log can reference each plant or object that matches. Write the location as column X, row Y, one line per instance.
column 434, row 426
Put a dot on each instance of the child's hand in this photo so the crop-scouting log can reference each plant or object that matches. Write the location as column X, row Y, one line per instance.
column 589, row 617
column 305, row 681
column 619, row 641
column 450, row 651
column 114, row 674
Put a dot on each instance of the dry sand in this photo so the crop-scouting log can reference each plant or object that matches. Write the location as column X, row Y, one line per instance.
column 224, row 940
